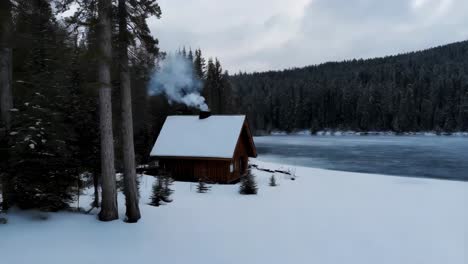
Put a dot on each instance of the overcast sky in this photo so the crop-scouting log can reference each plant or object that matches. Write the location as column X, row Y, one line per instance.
column 259, row 35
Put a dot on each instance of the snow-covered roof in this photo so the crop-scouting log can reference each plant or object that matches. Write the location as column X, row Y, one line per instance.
column 189, row 136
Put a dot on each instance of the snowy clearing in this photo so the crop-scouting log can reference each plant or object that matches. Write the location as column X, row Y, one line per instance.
column 321, row 217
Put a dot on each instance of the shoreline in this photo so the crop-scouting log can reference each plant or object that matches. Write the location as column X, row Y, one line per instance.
column 260, row 161
column 365, row 133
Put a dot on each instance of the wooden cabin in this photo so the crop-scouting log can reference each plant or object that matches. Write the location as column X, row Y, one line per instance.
column 214, row 148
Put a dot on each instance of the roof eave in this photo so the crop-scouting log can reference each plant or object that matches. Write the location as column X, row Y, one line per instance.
column 191, row 157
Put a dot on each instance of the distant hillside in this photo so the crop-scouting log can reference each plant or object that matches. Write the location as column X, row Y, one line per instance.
column 417, row 91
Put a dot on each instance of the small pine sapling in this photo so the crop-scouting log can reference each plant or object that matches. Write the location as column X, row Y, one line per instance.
column 167, row 191
column 202, row 187
column 273, row 181
column 157, row 192
column 248, row 184
column 161, row 192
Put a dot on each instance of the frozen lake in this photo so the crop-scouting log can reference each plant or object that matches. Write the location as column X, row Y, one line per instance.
column 444, row 157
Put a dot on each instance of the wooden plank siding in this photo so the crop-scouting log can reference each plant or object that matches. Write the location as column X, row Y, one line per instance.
column 193, row 170
column 241, row 157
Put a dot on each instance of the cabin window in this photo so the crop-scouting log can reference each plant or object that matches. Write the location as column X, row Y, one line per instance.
column 231, row 168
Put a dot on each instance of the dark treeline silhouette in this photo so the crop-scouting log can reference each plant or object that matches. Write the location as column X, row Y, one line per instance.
column 50, row 145
column 417, row 91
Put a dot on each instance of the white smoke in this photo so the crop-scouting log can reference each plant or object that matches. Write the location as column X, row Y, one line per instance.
column 176, row 80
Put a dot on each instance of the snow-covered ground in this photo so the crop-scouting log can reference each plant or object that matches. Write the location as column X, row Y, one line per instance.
column 321, row 217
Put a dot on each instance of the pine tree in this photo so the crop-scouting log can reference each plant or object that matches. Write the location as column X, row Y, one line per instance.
column 210, row 86
column 218, row 89
column 199, row 65
column 82, row 111
column 128, row 148
column 157, row 192
column 109, row 209
column 202, row 187
column 227, row 96
column 161, row 191
column 167, row 191
column 248, row 185
column 190, row 55
column 43, row 166
column 273, row 181
column 6, row 95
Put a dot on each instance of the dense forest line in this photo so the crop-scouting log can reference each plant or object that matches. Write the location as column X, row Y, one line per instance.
column 417, row 91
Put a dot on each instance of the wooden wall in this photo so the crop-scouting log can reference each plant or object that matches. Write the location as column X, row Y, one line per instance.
column 194, row 169
column 241, row 157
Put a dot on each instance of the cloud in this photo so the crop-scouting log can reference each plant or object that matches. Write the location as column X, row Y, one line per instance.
column 257, row 35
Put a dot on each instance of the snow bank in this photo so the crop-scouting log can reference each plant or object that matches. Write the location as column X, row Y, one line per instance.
column 321, row 217
column 278, row 133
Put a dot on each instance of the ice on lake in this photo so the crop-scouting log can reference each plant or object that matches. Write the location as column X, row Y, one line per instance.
column 444, row 157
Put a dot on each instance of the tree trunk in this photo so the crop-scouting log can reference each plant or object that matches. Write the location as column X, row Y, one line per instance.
column 6, row 95
column 96, row 202
column 109, row 192
column 130, row 184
